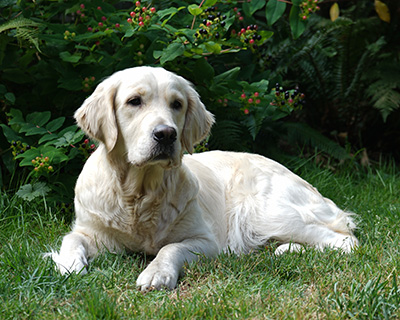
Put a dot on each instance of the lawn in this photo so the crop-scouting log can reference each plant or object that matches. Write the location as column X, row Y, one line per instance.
column 306, row 285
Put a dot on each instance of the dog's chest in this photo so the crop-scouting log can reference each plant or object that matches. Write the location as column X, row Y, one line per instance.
column 144, row 224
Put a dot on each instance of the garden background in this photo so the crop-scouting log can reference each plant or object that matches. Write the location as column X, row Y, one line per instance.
column 313, row 84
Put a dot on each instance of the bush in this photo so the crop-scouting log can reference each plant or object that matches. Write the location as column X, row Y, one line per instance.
column 53, row 54
column 58, row 53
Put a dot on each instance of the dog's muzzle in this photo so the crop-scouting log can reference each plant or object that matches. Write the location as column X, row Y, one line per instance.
column 165, row 136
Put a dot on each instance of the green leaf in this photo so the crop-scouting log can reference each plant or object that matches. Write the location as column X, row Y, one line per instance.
column 56, row 155
column 67, row 57
column 203, row 71
column 29, row 192
column 48, row 137
column 195, row 10
column 10, row 97
column 296, row 24
column 31, row 129
column 210, row 3
column 38, row 118
column 213, row 47
column 173, row 51
column 16, row 116
column 228, row 75
column 55, row 124
column 274, row 10
column 10, row 134
column 251, row 7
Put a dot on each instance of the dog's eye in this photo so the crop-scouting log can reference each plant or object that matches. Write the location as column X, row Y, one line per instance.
column 176, row 105
column 135, row 102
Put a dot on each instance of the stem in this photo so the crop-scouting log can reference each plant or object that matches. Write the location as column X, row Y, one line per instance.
column 194, row 18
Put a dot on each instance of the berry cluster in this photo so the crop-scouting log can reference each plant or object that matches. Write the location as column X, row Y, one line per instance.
column 103, row 23
column 249, row 36
column 87, row 83
column 141, row 16
column 223, row 102
column 238, row 14
column 249, row 101
column 87, row 148
column 202, row 146
column 42, row 165
column 307, row 7
column 212, row 26
column 69, row 35
column 289, row 98
column 19, row 147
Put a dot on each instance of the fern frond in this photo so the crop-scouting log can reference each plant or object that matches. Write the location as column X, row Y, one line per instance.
column 226, row 135
column 25, row 29
column 386, row 99
column 302, row 133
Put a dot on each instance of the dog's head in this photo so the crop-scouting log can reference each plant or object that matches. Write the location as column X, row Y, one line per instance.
column 147, row 114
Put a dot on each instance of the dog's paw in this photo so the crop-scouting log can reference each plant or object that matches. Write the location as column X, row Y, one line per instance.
column 288, row 247
column 157, row 277
column 68, row 264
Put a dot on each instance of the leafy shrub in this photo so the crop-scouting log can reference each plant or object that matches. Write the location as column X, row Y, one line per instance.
column 58, row 52
column 53, row 54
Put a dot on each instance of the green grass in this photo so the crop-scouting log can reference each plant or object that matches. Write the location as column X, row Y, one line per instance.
column 307, row 285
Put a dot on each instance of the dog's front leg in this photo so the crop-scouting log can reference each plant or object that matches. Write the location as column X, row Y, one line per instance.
column 163, row 271
column 73, row 254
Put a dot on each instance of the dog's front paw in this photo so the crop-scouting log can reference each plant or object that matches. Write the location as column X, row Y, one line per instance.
column 157, row 276
column 67, row 264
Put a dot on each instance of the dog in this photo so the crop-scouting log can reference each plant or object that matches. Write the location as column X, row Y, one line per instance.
column 143, row 189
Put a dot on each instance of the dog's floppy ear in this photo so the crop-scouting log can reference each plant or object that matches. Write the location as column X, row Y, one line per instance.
column 96, row 116
column 198, row 121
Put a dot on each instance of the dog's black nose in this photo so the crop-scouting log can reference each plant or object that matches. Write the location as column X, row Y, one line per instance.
column 164, row 134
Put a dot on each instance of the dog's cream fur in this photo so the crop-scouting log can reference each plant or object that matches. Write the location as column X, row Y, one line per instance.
column 136, row 195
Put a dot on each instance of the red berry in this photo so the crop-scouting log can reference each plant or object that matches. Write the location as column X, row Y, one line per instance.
column 256, row 94
column 92, row 146
column 304, row 17
column 258, row 101
column 140, row 18
column 250, row 100
column 98, row 8
column 147, row 17
column 137, row 3
column 82, row 6
column 82, row 15
column 144, row 9
column 243, row 30
column 251, row 41
column 100, row 24
column 86, row 141
column 240, row 18
column 243, row 96
column 152, row 10
column 208, row 23
column 141, row 24
column 235, row 9
column 129, row 20
column 117, row 25
column 90, row 29
column 103, row 18
column 132, row 14
column 78, row 12
column 246, row 111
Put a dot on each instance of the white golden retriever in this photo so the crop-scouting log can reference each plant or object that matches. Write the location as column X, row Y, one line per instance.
column 139, row 192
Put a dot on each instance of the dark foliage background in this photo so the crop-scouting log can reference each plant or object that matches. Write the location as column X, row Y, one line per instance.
column 53, row 54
